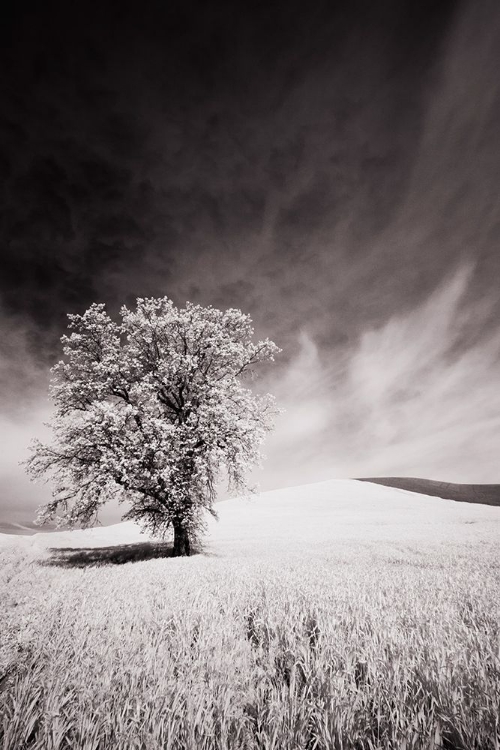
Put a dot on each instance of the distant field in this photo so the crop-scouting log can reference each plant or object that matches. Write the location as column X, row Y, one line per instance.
column 338, row 615
column 487, row 494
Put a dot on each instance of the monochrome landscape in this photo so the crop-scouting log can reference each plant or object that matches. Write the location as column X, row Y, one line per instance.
column 249, row 375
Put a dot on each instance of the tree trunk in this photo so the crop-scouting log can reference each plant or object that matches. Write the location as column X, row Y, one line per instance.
column 182, row 546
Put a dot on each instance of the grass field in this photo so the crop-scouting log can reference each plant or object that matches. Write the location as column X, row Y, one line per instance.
column 337, row 615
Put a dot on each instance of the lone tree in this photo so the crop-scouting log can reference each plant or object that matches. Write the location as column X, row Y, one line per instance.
column 151, row 410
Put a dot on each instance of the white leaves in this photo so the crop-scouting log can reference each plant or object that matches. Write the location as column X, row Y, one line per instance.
column 154, row 408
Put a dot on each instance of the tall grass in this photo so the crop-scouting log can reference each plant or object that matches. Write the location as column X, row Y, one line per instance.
column 360, row 647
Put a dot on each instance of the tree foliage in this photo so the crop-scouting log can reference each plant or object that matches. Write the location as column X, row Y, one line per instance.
column 152, row 409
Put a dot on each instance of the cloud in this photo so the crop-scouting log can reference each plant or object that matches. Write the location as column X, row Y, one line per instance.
column 297, row 393
column 23, row 374
column 417, row 396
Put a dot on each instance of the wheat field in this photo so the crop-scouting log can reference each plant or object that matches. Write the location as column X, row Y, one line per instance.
column 338, row 615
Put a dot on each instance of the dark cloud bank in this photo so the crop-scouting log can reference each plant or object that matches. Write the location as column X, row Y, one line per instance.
column 334, row 172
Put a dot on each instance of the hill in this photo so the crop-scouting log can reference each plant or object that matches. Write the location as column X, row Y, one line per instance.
column 322, row 514
column 485, row 494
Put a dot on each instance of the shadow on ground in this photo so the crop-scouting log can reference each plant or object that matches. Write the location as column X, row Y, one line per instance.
column 118, row 554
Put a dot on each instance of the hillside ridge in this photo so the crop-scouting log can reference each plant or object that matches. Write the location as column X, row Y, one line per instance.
column 485, row 494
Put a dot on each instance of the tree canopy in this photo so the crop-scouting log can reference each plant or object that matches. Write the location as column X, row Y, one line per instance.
column 151, row 410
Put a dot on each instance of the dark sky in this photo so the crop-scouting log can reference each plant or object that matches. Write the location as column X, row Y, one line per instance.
column 332, row 169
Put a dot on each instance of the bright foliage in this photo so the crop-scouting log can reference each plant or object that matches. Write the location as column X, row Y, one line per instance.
column 152, row 409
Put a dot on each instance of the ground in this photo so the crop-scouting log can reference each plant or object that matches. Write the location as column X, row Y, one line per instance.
column 342, row 614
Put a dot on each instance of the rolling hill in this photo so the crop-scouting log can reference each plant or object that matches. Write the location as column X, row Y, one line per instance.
column 319, row 515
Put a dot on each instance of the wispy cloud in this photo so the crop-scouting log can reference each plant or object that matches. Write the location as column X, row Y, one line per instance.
column 416, row 396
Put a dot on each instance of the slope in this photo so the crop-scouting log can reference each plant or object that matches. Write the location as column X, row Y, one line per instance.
column 318, row 516
column 485, row 494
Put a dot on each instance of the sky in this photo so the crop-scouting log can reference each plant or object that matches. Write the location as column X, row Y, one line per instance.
column 332, row 169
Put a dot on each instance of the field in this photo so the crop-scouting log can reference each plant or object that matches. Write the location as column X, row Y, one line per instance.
column 337, row 615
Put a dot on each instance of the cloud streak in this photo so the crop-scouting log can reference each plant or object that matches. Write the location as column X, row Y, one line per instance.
column 411, row 398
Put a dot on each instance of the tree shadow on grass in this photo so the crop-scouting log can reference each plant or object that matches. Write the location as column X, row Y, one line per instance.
column 118, row 554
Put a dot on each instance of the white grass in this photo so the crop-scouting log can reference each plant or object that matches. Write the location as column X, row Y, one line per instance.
column 335, row 615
